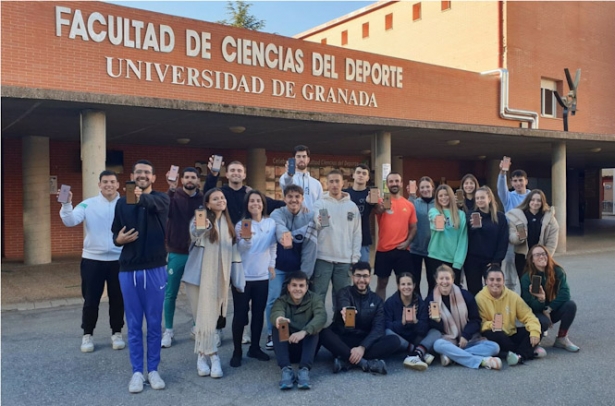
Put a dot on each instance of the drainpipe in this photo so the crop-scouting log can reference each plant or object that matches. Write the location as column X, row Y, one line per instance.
column 506, row 112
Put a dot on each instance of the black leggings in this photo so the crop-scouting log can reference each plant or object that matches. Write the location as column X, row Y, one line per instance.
column 432, row 265
column 340, row 345
column 518, row 343
column 255, row 291
column 475, row 269
column 565, row 314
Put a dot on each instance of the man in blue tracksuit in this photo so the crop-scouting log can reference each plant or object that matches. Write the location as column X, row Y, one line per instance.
column 140, row 230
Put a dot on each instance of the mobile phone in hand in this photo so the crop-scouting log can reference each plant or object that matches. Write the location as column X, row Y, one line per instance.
column 131, row 198
column 536, row 282
column 434, row 310
column 64, row 193
column 412, row 187
column 351, row 311
column 439, row 222
column 283, row 332
column 387, row 201
column 201, row 219
column 217, row 164
column 409, row 314
column 506, row 163
column 292, row 166
column 498, row 322
column 173, row 173
column 324, row 218
column 476, row 220
column 246, row 229
column 521, row 231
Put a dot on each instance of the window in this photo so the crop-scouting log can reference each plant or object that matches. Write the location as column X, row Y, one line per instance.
column 548, row 102
column 345, row 37
column 365, row 30
column 388, row 21
column 416, row 11
column 445, row 5
column 323, row 41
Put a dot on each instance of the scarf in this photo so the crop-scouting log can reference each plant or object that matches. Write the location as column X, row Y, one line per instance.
column 456, row 318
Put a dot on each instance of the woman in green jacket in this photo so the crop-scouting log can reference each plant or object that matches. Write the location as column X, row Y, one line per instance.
column 552, row 303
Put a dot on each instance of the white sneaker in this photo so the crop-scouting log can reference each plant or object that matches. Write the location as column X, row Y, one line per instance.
column 167, row 338
column 246, row 339
column 117, row 341
column 216, row 368
column 428, row 358
column 444, row 360
column 415, row 362
column 136, row 383
column 539, row 352
column 155, row 381
column 269, row 345
column 202, row 367
column 87, row 345
column 219, row 338
column 492, row 363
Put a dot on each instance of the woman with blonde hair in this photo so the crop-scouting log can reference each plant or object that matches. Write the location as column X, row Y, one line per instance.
column 449, row 237
column 487, row 238
column 207, row 288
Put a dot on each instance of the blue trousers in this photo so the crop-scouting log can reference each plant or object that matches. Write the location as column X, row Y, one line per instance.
column 275, row 290
column 143, row 293
column 471, row 356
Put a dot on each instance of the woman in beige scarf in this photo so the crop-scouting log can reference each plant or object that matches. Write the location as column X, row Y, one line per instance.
column 208, row 291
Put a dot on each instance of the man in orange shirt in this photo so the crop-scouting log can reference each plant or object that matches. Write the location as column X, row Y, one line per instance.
column 396, row 229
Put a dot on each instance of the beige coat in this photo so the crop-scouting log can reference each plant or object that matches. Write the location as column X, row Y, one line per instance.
column 548, row 231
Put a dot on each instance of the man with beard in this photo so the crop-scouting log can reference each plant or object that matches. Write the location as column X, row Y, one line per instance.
column 184, row 202
column 99, row 262
column 359, row 193
column 312, row 189
column 396, row 229
column 140, row 230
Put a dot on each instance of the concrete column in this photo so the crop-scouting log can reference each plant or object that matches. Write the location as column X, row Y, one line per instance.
column 558, row 189
column 93, row 149
column 382, row 155
column 255, row 167
column 36, row 201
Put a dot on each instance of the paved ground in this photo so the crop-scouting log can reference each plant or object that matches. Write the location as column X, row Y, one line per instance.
column 41, row 364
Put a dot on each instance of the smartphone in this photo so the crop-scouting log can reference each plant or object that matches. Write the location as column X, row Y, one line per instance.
column 324, row 218
column 435, row 310
column 292, row 164
column 246, row 229
column 131, row 198
column 287, row 240
column 63, row 195
column 201, row 219
column 217, row 164
column 374, row 195
column 439, row 222
column 459, row 195
column 173, row 173
column 409, row 314
column 521, row 231
column 283, row 332
column 387, row 201
column 412, row 187
column 536, row 282
column 351, row 311
column 476, row 220
column 498, row 322
column 506, row 163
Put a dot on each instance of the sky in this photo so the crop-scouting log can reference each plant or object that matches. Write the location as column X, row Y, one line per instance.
column 285, row 18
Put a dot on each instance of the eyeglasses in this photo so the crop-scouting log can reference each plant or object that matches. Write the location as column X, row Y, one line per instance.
column 362, row 276
column 540, row 255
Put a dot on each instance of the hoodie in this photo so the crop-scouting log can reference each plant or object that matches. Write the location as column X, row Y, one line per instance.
column 302, row 256
column 450, row 245
column 181, row 212
column 309, row 315
column 312, row 189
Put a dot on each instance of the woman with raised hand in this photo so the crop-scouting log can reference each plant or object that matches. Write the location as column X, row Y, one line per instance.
column 420, row 244
column 207, row 287
column 551, row 304
column 459, row 322
column 257, row 245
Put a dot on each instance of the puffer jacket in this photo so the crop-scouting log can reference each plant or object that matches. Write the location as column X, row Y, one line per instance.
column 548, row 231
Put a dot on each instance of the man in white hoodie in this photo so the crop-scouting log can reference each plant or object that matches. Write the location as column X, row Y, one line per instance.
column 339, row 243
column 312, row 189
column 100, row 259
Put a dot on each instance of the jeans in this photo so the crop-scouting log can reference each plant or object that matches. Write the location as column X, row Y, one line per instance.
column 175, row 271
column 94, row 274
column 274, row 292
column 471, row 356
column 325, row 272
column 510, row 269
column 365, row 253
column 303, row 352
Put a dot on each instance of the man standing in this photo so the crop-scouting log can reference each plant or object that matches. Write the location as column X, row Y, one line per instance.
column 183, row 203
column 359, row 195
column 140, row 230
column 396, row 230
column 306, row 316
column 339, row 237
column 312, row 189
column 363, row 342
column 99, row 260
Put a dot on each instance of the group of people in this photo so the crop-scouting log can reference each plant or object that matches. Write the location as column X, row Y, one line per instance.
column 279, row 258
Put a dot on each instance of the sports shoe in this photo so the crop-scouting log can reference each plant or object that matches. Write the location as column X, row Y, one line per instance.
column 155, row 381
column 415, row 362
column 539, row 352
column 377, row 366
column 245, row 338
column 288, row 378
column 87, row 345
column 216, row 368
column 202, row 367
column 117, row 341
column 167, row 338
column 428, row 358
column 219, row 337
column 303, row 378
column 338, row 365
column 258, row 354
column 269, row 345
column 512, row 359
column 491, row 363
column 136, row 383
column 444, row 360
column 565, row 343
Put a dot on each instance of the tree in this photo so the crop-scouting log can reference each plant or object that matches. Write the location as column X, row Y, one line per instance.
column 239, row 12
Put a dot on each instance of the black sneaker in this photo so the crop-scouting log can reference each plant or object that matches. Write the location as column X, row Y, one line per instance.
column 338, row 365
column 303, row 379
column 236, row 359
column 269, row 345
column 258, row 354
column 288, row 378
column 377, row 366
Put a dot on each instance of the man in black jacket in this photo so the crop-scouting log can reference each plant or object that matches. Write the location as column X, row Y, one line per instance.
column 363, row 344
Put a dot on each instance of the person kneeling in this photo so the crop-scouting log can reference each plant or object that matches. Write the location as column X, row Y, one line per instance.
column 299, row 315
column 357, row 335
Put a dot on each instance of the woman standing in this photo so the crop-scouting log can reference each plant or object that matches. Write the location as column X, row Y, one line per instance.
column 552, row 303
column 258, row 254
column 469, row 186
column 210, row 303
column 449, row 237
column 420, row 243
column 534, row 218
column 487, row 238
column 459, row 323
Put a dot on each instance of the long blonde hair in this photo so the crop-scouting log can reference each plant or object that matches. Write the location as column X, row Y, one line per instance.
column 493, row 205
column 451, row 204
